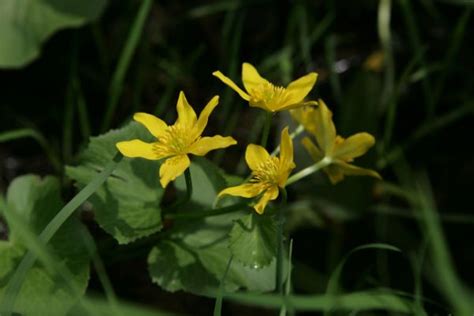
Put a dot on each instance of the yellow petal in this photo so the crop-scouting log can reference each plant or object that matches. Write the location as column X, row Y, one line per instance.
column 334, row 173
column 206, row 144
column 255, row 155
column 305, row 116
column 231, row 84
column 293, row 106
column 137, row 148
column 300, row 88
column 354, row 146
column 246, row 190
column 172, row 168
column 268, row 195
column 251, row 78
column 186, row 115
column 325, row 129
column 286, row 150
column 352, row 170
column 204, row 115
column 153, row 124
column 312, row 149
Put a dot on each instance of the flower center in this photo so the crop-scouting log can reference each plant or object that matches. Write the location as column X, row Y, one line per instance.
column 269, row 94
column 268, row 172
column 175, row 140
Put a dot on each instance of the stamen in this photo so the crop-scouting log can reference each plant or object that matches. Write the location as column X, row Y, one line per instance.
column 176, row 140
column 269, row 94
column 267, row 172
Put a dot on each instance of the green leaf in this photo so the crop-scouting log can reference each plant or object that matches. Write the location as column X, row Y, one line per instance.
column 253, row 240
column 26, row 24
column 207, row 181
column 195, row 256
column 31, row 203
column 127, row 206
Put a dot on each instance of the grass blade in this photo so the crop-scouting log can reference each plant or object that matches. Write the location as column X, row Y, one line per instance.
column 38, row 137
column 362, row 301
column 220, row 293
column 14, row 285
column 116, row 85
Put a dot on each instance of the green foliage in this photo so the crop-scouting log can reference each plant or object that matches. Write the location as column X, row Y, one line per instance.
column 26, row 24
column 127, row 206
column 31, row 203
column 195, row 256
column 253, row 240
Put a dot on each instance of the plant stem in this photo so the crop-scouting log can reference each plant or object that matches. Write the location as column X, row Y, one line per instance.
column 326, row 161
column 189, row 191
column 266, row 128
column 279, row 263
column 207, row 213
column 297, row 131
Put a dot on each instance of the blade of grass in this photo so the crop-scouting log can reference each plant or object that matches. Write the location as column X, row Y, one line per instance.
column 101, row 272
column 116, row 85
column 84, row 121
column 287, row 307
column 39, row 138
column 333, row 287
column 362, row 301
column 448, row 282
column 220, row 293
column 417, row 46
column 452, row 51
column 424, row 130
column 14, row 285
column 388, row 99
column 330, row 54
column 39, row 249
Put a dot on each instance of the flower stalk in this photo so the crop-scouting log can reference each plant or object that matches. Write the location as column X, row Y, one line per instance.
column 326, row 161
column 279, row 263
column 266, row 129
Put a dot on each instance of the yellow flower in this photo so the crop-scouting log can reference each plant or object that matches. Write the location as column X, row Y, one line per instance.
column 268, row 173
column 337, row 151
column 175, row 142
column 263, row 94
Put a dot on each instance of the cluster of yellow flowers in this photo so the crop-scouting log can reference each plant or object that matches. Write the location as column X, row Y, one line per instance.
column 269, row 173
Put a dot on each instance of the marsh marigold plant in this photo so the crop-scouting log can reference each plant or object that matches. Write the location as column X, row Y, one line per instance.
column 175, row 142
column 264, row 94
column 269, row 173
column 335, row 151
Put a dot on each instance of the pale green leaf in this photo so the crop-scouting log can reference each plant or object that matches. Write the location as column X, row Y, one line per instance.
column 127, row 206
column 34, row 202
column 26, row 24
column 253, row 240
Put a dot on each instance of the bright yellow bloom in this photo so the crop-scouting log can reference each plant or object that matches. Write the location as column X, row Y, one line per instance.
column 263, row 94
column 268, row 173
column 337, row 151
column 175, row 142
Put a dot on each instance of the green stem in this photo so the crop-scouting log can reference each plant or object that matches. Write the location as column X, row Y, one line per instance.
column 297, row 131
column 279, row 263
column 326, row 161
column 206, row 213
column 266, row 128
column 189, row 191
